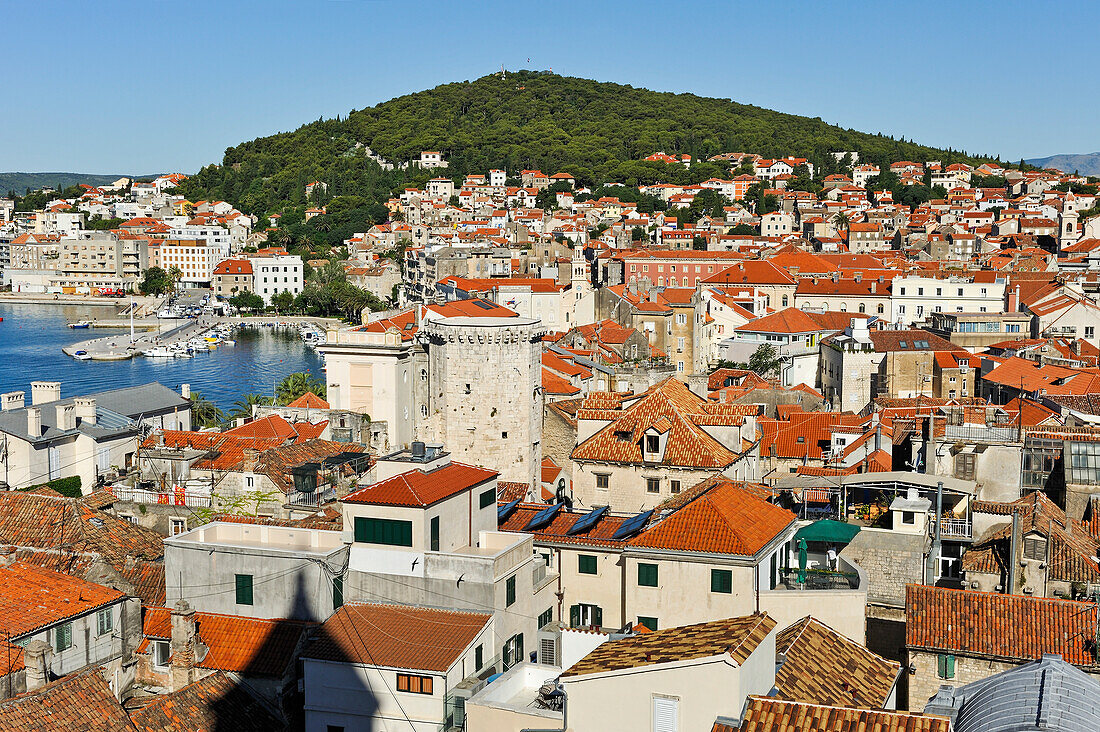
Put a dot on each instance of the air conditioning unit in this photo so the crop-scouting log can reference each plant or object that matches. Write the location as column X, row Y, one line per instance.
column 549, row 648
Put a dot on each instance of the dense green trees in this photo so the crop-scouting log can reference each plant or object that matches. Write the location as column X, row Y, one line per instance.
column 296, row 385
column 598, row 132
column 156, row 281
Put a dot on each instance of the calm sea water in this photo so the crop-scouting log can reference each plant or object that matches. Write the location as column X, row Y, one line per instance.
column 31, row 338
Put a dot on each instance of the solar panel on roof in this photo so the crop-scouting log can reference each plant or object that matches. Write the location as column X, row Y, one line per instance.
column 483, row 305
column 542, row 518
column 506, row 510
column 586, row 522
column 632, row 525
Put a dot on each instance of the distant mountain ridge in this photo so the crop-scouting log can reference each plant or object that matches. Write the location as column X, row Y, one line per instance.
column 1083, row 163
column 20, row 182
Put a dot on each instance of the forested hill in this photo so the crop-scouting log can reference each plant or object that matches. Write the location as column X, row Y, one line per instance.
column 21, row 183
column 596, row 131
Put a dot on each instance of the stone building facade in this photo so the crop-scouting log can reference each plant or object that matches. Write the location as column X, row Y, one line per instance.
column 484, row 399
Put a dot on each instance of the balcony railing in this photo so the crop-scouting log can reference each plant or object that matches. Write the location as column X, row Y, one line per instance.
column 312, row 500
column 954, row 528
column 176, row 497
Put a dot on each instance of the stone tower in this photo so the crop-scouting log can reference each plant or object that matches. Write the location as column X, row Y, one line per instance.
column 485, row 392
column 580, row 286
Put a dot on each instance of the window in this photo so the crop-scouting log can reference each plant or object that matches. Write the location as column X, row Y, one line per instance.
column 177, row 526
column 546, row 617
column 244, row 589
column 653, row 485
column 647, row 576
column 721, row 580
column 510, row 591
column 104, row 622
column 512, row 652
column 586, row 563
column 652, row 443
column 161, row 653
column 479, row 657
column 1090, row 331
column 249, row 482
column 411, row 684
column 602, row 480
column 583, row 616
column 908, row 517
column 650, row 623
column 964, row 465
column 337, row 592
column 674, row 486
column 666, row 714
column 387, row 532
column 1035, row 548
column 487, row 498
column 945, row 666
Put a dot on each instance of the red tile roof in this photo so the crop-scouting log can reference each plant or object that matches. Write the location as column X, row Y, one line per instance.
column 724, row 519
column 274, row 427
column 211, row 703
column 821, row 666
column 32, row 598
column 764, row 714
column 687, row 444
column 80, row 702
column 251, row 646
column 735, row 637
column 1012, row 627
column 419, row 488
column 396, row 636
column 309, row 400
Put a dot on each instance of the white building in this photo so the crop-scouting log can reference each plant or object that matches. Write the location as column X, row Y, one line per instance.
column 195, row 258
column 914, row 298
column 274, row 274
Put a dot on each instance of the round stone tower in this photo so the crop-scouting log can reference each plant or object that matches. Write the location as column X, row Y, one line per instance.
column 485, row 392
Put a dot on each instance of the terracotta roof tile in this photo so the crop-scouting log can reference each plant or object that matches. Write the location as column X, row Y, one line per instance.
column 211, row 703
column 32, row 598
column 81, row 702
column 1014, row 627
column 251, row 646
column 420, row 488
column 763, row 714
column 725, row 519
column 396, row 636
column 737, row 637
column 309, row 400
column 821, row 666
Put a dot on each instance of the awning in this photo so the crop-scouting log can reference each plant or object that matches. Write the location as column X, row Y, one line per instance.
column 828, row 531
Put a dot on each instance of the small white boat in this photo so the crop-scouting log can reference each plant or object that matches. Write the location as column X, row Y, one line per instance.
column 158, row 352
column 82, row 356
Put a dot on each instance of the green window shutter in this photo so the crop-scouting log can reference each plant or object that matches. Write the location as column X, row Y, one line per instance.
column 510, row 591
column 244, row 589
column 597, row 616
column 945, row 666
column 586, row 564
column 435, row 534
column 650, row 623
column 361, row 529
column 387, row 532
column 574, row 616
column 951, row 666
column 647, row 575
column 479, row 659
column 337, row 592
column 721, row 580
column 488, row 498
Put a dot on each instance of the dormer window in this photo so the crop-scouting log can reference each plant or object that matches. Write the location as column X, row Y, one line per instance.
column 652, row 443
column 623, row 435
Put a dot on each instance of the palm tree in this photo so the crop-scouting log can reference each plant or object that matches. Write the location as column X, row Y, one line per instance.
column 205, row 413
column 841, row 222
column 242, row 408
column 175, row 274
column 297, row 384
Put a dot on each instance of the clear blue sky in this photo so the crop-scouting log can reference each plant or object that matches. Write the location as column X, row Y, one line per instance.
column 144, row 87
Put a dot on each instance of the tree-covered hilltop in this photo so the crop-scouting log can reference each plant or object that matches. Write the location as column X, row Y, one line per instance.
column 596, row 131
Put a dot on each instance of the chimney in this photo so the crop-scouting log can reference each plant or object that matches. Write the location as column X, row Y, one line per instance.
column 66, row 416
column 185, row 391
column 183, row 646
column 34, row 422
column 836, row 276
column 859, row 277
column 36, row 657
column 45, row 391
column 1013, row 553
column 85, row 410
column 11, row 401
column 251, row 457
column 1013, row 299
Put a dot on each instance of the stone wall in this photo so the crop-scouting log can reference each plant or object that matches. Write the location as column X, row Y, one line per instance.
column 891, row 561
column 924, row 684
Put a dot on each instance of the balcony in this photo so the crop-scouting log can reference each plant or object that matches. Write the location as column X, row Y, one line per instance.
column 952, row 528
column 176, row 497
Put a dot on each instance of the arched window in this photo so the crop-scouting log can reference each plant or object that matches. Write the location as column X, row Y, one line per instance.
column 862, row 308
column 784, row 301
column 881, row 309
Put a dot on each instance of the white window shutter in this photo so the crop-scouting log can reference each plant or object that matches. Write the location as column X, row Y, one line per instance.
column 666, row 714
